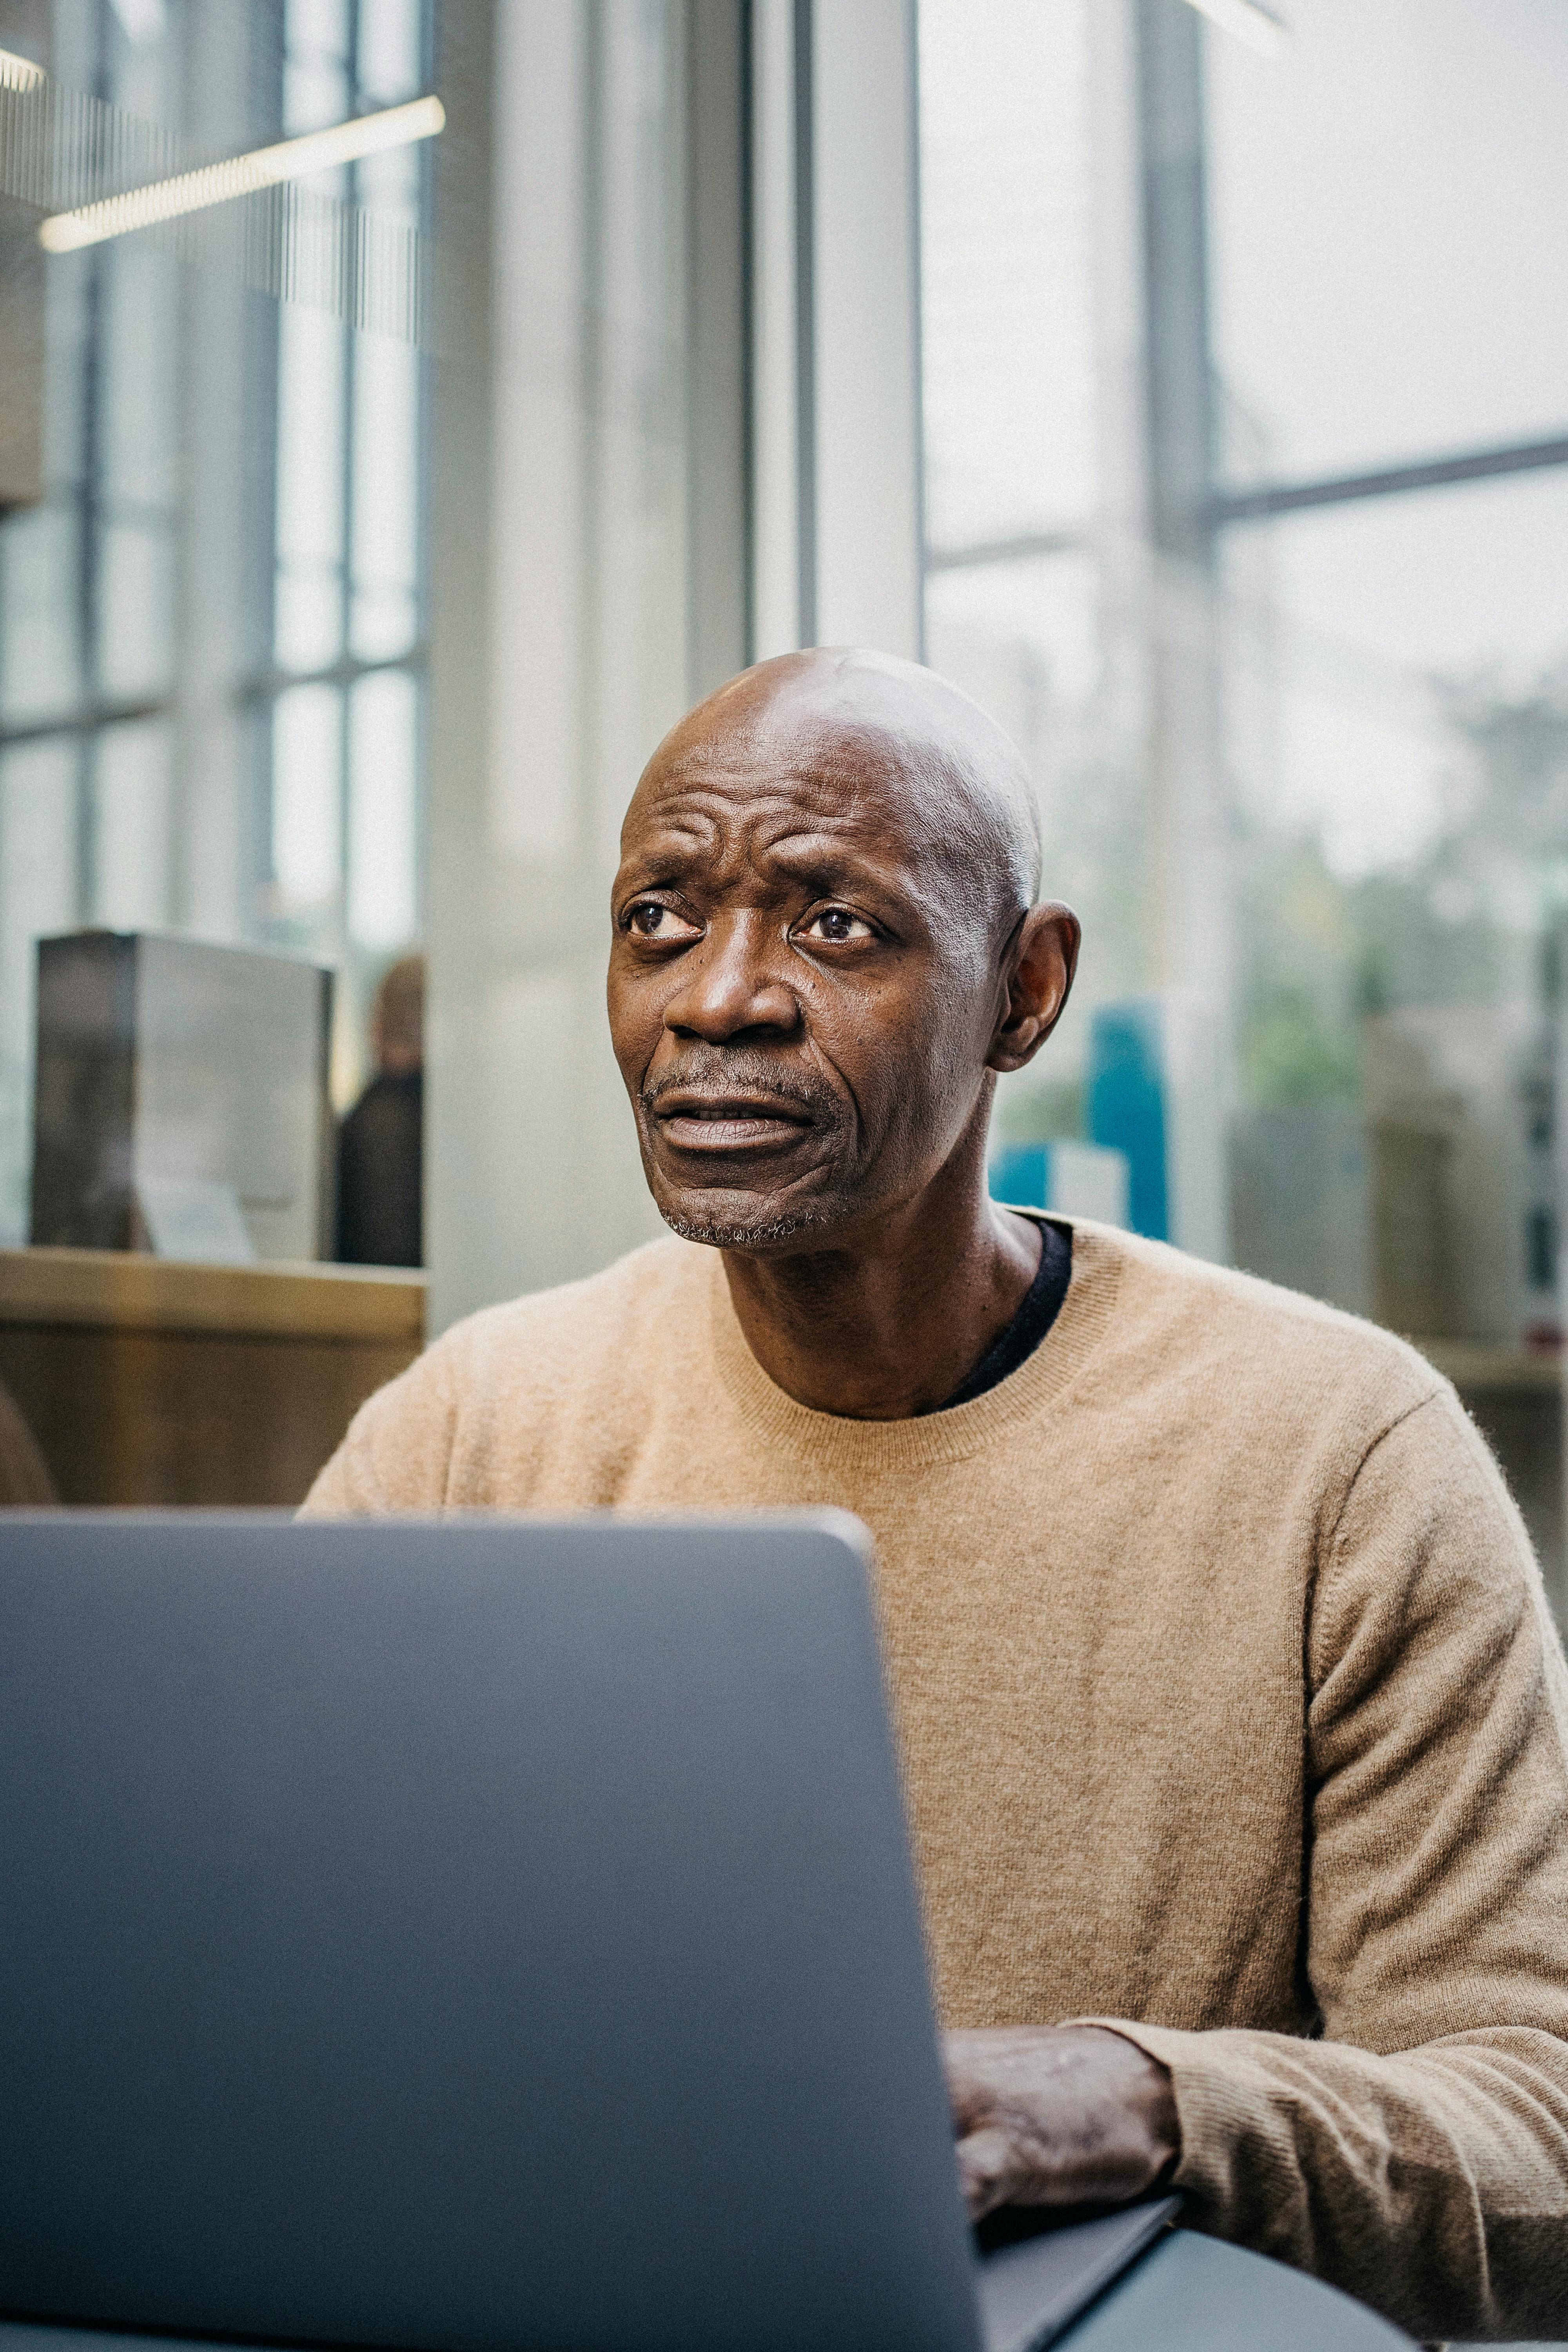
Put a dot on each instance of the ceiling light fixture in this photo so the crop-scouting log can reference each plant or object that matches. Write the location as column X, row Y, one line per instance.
column 18, row 73
column 1257, row 26
column 243, row 176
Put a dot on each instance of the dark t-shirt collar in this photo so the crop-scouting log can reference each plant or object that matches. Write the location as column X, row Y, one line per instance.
column 1037, row 1310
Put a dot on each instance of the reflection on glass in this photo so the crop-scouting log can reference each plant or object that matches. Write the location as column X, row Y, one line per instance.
column 311, row 358
column 307, row 798
column 382, row 817
column 132, row 847
column 384, row 613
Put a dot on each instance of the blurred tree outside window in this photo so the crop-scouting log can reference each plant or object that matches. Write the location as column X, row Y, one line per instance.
column 1246, row 415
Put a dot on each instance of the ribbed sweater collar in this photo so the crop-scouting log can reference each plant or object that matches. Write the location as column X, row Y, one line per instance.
column 872, row 1448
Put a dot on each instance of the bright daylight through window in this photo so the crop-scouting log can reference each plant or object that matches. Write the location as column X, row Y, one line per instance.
column 1273, row 600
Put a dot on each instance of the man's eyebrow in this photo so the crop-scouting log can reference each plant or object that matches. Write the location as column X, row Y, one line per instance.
column 834, row 867
column 674, row 848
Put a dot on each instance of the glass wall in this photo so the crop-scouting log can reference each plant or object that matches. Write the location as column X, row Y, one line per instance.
column 1246, row 414
column 1389, row 203
column 211, row 631
column 589, row 581
column 1045, row 596
column 1244, row 493
column 274, row 618
column 1031, row 562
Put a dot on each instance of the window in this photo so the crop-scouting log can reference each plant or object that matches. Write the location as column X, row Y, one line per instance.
column 1037, row 574
column 212, row 627
column 1388, row 208
column 1247, row 481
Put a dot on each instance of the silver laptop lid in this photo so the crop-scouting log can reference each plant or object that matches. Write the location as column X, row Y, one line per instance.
column 464, row 1936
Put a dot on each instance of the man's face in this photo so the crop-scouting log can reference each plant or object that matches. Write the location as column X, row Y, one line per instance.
column 803, row 983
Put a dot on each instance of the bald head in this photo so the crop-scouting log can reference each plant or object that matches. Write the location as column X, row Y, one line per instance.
column 953, row 783
column 823, row 949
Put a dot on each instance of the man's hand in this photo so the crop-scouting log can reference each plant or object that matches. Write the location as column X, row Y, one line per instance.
column 1057, row 2115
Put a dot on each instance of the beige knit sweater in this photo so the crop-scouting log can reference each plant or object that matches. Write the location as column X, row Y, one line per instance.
column 1229, row 1706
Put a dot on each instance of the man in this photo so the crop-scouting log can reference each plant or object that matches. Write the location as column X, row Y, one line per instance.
column 1234, row 1732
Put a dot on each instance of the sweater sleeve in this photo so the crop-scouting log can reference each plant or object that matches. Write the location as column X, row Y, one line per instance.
column 396, row 1454
column 1417, row 2154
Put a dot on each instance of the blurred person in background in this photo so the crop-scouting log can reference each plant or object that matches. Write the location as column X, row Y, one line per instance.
column 381, row 1143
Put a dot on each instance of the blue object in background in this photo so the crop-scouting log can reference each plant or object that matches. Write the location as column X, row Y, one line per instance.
column 1126, row 1104
column 1068, row 1176
column 1020, row 1174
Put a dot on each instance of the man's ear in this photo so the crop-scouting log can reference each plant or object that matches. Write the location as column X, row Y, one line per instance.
column 1041, row 963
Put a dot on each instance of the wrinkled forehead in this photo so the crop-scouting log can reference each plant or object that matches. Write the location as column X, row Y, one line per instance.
column 770, row 775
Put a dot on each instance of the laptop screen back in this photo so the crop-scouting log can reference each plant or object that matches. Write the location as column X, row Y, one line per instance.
column 463, row 1935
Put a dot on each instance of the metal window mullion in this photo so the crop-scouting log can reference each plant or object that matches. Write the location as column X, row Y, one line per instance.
column 189, row 518
column 346, row 429
column 263, row 324
column 591, row 363
column 857, row 216
column 348, row 263
column 87, row 587
column 422, row 459
column 806, row 321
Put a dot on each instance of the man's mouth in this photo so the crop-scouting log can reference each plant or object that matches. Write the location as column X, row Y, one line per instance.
column 692, row 1122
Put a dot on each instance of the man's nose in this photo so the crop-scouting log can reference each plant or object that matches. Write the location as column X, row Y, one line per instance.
column 732, row 983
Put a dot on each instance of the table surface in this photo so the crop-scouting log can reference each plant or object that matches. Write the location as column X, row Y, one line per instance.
column 1191, row 2294
column 1187, row 2294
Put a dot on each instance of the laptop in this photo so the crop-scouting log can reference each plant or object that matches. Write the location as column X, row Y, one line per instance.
column 475, row 1935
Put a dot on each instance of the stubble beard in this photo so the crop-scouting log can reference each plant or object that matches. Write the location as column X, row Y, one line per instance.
column 740, row 1231
column 737, row 1233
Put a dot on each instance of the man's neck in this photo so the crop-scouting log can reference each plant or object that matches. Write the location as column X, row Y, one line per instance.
column 891, row 1325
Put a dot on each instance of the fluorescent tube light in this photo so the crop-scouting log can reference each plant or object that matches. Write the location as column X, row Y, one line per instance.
column 1256, row 25
column 219, row 184
column 18, row 73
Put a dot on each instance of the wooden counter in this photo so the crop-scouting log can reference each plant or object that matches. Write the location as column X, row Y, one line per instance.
column 1515, row 1396
column 148, row 1381
column 1486, row 1367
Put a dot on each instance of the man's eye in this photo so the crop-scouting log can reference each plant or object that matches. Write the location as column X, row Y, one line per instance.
column 836, row 925
column 652, row 920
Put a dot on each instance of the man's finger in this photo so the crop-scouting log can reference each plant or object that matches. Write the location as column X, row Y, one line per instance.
column 987, row 2169
column 969, row 2085
column 972, row 2104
